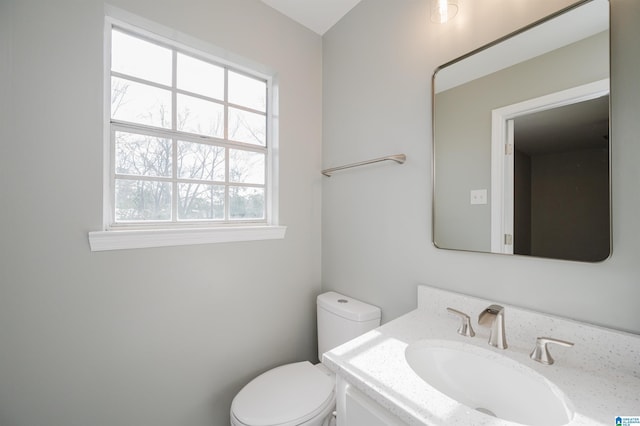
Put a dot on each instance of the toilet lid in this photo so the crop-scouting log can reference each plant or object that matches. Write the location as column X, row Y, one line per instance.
column 284, row 394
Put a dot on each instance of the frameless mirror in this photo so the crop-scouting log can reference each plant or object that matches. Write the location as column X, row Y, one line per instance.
column 521, row 152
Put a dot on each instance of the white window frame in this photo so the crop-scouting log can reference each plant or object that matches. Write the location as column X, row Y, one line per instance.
column 157, row 234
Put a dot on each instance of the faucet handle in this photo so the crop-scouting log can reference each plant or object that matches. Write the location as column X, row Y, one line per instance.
column 465, row 328
column 541, row 354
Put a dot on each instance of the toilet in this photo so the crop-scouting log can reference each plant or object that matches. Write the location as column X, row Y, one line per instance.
column 303, row 394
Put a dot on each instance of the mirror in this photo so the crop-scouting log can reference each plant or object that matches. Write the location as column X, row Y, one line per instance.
column 521, row 151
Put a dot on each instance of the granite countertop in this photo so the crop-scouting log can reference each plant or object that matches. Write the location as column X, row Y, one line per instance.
column 600, row 375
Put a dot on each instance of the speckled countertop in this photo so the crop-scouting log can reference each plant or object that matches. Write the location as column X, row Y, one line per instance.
column 600, row 375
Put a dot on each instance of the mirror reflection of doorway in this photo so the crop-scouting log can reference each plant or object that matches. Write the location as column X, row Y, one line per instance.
column 550, row 177
column 561, row 171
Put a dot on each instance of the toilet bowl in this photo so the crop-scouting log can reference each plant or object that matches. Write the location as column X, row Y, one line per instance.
column 303, row 394
column 294, row 394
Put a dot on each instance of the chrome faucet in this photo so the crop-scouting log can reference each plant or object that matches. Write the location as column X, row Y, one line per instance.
column 493, row 317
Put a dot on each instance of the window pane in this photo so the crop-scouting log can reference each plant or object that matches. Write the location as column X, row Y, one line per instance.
column 139, row 58
column 140, row 103
column 142, row 155
column 139, row 200
column 247, row 91
column 199, row 161
column 247, row 127
column 200, row 77
column 246, row 203
column 246, row 166
column 200, row 116
column 199, row 201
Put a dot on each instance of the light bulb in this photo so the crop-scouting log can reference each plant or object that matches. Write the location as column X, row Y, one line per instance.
column 443, row 10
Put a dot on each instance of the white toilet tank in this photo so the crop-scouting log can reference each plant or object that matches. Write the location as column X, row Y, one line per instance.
column 341, row 318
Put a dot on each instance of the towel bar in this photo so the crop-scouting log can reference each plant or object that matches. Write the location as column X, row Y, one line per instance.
column 398, row 158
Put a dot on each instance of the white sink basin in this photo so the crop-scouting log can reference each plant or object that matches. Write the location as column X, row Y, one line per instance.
column 489, row 382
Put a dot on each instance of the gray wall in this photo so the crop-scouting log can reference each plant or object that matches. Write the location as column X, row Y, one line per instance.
column 153, row 336
column 463, row 132
column 376, row 235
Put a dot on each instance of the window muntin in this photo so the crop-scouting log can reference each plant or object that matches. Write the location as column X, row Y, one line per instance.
column 188, row 137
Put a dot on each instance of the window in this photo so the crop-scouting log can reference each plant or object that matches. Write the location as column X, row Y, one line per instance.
column 189, row 138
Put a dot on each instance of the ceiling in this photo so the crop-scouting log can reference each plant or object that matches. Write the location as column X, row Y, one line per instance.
column 317, row 15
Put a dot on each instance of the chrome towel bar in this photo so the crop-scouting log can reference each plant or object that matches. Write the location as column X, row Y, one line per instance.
column 398, row 158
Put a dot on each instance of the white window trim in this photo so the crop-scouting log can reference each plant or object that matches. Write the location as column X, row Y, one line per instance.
column 146, row 238
column 118, row 238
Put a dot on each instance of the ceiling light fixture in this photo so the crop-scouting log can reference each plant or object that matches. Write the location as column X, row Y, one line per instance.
column 443, row 10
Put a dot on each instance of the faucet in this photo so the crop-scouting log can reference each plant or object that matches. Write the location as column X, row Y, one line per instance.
column 493, row 317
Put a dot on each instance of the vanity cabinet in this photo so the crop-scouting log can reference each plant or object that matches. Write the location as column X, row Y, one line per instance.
column 356, row 409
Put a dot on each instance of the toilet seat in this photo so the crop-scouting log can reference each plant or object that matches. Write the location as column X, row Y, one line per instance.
column 284, row 396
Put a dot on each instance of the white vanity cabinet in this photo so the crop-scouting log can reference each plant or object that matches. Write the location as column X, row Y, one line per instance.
column 356, row 409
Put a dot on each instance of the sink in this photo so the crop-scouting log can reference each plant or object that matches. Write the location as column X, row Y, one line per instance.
column 489, row 382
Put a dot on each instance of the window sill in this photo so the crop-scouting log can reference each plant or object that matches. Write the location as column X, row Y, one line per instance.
column 146, row 238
